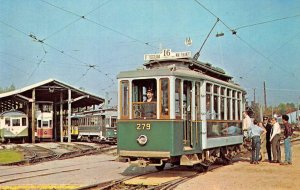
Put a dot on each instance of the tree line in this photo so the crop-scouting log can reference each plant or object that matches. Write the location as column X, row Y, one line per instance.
column 7, row 89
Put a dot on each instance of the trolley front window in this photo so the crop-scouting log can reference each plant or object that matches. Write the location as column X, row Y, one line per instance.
column 164, row 95
column 124, row 99
column 16, row 122
column 144, row 104
column 178, row 98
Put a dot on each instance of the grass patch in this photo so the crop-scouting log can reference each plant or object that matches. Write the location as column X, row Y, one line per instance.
column 10, row 156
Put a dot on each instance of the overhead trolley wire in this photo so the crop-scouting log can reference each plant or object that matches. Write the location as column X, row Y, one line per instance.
column 265, row 22
column 213, row 15
column 32, row 36
column 101, row 25
column 74, row 21
column 244, row 41
column 273, row 52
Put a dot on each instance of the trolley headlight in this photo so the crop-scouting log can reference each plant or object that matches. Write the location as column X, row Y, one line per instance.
column 142, row 140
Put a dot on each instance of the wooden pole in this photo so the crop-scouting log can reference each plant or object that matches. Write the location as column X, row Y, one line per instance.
column 61, row 117
column 69, row 115
column 265, row 95
column 33, row 117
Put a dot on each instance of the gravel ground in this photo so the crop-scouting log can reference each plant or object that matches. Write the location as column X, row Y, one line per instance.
column 243, row 175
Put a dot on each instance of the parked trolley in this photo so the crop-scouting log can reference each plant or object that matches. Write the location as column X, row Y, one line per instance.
column 44, row 121
column 193, row 119
column 13, row 126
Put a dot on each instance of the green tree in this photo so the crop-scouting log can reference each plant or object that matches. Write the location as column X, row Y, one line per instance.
column 7, row 89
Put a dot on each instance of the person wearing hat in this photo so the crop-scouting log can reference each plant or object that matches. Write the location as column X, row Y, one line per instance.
column 268, row 127
column 150, row 95
column 149, row 105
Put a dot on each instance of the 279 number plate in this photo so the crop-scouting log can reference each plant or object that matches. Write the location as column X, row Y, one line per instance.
column 143, row 126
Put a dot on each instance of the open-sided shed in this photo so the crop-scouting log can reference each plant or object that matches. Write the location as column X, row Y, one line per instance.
column 64, row 97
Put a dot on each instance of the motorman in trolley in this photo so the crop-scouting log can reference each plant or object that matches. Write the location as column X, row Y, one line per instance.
column 149, row 107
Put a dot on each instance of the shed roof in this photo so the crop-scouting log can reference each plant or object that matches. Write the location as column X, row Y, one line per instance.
column 48, row 90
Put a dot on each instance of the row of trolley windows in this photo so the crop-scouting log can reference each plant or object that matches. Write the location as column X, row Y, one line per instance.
column 221, row 102
column 93, row 121
column 16, row 122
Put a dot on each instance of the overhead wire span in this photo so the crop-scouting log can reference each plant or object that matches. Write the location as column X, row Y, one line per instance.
column 267, row 58
column 273, row 52
column 103, row 26
column 244, row 41
column 265, row 22
column 74, row 21
column 36, row 39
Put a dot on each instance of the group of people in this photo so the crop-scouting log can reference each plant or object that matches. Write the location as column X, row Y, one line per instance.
column 266, row 136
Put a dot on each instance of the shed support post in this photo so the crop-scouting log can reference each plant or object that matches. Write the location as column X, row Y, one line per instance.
column 69, row 114
column 61, row 117
column 33, row 117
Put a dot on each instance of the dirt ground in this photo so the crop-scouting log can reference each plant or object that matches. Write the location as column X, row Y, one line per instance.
column 243, row 175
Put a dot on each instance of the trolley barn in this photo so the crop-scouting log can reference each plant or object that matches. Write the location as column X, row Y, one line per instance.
column 46, row 104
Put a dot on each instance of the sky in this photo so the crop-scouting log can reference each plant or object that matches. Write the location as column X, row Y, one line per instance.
column 86, row 43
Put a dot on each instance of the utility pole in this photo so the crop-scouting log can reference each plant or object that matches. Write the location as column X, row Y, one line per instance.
column 265, row 95
column 254, row 95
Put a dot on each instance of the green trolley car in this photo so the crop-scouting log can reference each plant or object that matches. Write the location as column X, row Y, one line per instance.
column 194, row 118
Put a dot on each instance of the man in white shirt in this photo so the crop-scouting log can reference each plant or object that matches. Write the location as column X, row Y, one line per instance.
column 275, row 141
column 246, row 123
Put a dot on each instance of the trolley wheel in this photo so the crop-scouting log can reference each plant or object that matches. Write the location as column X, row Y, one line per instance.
column 161, row 168
column 200, row 168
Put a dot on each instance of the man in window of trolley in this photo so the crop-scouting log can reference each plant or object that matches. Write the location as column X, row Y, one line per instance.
column 149, row 106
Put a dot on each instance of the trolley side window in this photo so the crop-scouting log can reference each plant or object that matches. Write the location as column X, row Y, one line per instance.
column 7, row 121
column 24, row 123
column 229, row 104
column 197, row 101
column 216, row 102
column 210, row 112
column 178, row 98
column 16, row 122
column 124, row 99
column 144, row 99
column 164, row 98
column 234, row 105
column 113, row 122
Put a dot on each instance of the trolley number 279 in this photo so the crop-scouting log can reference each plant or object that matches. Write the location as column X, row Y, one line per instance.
column 143, row 126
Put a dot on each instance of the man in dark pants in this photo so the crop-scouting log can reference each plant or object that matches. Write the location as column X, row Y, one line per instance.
column 254, row 133
column 268, row 128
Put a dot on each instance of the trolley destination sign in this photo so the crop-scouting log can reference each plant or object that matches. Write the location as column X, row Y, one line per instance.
column 167, row 54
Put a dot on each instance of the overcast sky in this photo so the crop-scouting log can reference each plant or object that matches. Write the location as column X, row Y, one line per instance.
column 87, row 43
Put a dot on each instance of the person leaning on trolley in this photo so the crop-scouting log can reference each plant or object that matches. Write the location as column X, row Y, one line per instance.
column 246, row 124
column 149, row 105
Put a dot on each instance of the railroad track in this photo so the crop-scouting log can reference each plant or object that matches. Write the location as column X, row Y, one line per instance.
column 35, row 153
